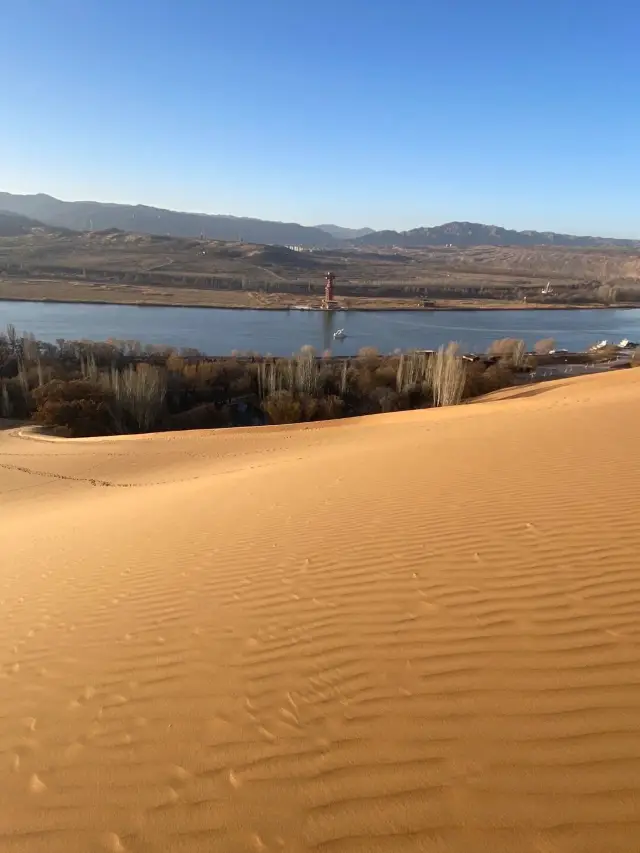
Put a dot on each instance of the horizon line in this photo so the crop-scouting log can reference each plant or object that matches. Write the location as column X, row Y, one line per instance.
column 316, row 226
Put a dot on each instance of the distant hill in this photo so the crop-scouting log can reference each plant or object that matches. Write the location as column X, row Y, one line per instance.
column 341, row 233
column 140, row 219
column 14, row 225
column 475, row 234
column 97, row 216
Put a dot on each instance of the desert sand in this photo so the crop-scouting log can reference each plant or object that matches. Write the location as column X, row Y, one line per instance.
column 411, row 632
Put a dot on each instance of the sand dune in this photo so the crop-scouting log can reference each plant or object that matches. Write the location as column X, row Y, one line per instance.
column 413, row 632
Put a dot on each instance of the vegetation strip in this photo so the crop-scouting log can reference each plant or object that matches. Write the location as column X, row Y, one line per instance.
column 84, row 388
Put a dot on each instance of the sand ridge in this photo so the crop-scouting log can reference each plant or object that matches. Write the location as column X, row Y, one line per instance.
column 411, row 632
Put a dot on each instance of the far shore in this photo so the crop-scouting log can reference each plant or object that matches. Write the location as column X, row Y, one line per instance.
column 86, row 293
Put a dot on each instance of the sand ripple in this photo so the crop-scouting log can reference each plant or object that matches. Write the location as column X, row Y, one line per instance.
column 415, row 632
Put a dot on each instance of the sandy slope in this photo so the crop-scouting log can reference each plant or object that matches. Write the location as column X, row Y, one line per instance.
column 416, row 632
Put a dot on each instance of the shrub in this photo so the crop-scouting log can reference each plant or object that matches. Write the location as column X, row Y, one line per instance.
column 368, row 352
column 369, row 357
column 386, row 377
column 495, row 377
column 204, row 416
column 14, row 402
column 386, row 399
column 79, row 407
column 330, row 407
column 6, row 403
column 544, row 346
column 281, row 407
column 511, row 351
column 481, row 379
column 605, row 294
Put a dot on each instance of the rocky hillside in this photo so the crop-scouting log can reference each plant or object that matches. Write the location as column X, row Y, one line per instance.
column 475, row 234
column 96, row 216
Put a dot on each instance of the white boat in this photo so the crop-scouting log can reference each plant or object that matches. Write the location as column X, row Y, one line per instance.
column 339, row 335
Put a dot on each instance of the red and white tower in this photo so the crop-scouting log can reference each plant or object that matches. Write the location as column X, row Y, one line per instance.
column 329, row 282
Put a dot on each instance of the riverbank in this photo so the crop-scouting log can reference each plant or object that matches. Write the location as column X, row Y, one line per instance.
column 107, row 388
column 116, row 387
column 82, row 292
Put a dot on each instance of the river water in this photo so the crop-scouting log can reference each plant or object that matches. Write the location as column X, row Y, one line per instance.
column 220, row 332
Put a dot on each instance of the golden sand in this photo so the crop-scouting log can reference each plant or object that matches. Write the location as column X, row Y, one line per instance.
column 412, row 632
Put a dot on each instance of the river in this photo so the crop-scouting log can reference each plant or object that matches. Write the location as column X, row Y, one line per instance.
column 220, row 332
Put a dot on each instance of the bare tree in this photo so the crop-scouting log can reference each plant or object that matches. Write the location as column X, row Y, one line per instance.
column 544, row 346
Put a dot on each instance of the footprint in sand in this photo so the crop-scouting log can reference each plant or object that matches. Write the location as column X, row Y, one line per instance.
column 36, row 785
column 26, row 747
column 179, row 773
column 113, row 843
column 74, row 750
column 424, row 604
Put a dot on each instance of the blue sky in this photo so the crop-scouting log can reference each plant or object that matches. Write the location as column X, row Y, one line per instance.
column 360, row 112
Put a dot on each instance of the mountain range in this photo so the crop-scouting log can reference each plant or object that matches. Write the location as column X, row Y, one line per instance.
column 464, row 234
column 98, row 216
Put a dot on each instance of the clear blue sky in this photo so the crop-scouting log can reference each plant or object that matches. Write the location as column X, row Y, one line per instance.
column 523, row 113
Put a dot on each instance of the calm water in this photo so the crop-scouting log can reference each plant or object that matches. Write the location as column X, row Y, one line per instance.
column 218, row 332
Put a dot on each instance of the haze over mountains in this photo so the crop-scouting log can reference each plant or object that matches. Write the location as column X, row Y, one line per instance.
column 15, row 225
column 341, row 233
column 97, row 216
